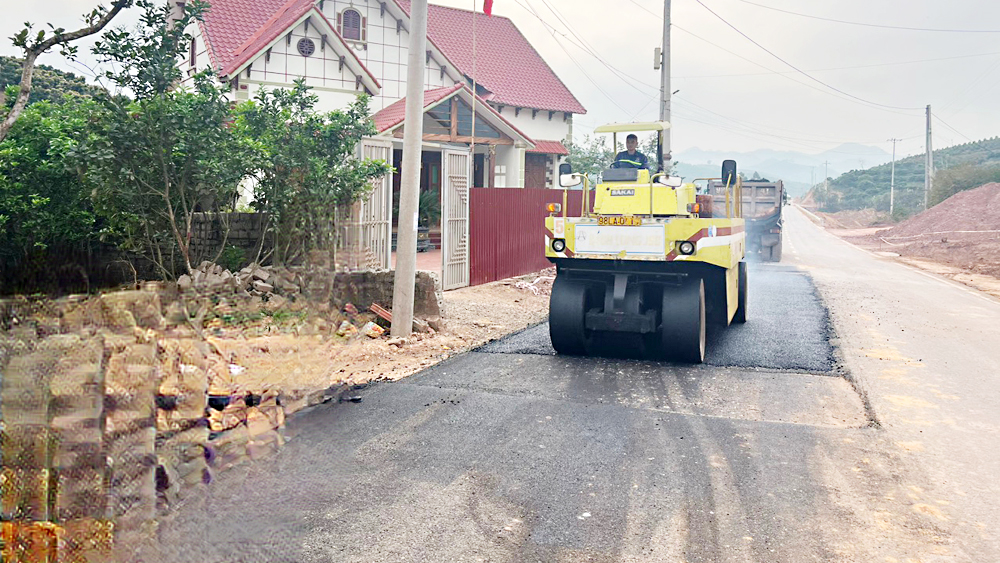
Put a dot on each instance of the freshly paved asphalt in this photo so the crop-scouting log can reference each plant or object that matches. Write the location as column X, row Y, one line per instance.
column 788, row 329
column 770, row 452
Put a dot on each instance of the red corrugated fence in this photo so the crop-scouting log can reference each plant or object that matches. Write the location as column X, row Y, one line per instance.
column 507, row 230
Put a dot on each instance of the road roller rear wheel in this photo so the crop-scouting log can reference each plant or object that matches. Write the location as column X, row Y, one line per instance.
column 741, row 300
column 567, row 310
column 682, row 333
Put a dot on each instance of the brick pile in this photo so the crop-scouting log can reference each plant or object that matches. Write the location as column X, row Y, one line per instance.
column 108, row 423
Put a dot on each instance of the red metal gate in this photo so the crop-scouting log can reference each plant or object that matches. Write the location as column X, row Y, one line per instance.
column 507, row 230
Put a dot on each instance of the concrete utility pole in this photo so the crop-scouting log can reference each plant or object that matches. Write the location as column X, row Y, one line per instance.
column 409, row 191
column 665, row 86
column 826, row 176
column 892, row 179
column 929, row 167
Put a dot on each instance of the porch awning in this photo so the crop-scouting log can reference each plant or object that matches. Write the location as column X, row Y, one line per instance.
column 448, row 118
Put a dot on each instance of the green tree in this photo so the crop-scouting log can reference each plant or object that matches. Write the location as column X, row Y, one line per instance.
column 44, row 203
column 170, row 153
column 308, row 170
column 590, row 156
column 950, row 181
column 34, row 45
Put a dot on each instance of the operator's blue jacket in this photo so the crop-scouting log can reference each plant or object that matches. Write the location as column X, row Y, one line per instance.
column 637, row 160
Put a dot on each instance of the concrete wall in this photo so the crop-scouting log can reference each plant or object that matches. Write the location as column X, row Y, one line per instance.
column 245, row 231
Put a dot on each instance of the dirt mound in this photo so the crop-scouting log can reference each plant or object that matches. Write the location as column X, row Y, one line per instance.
column 962, row 231
column 970, row 210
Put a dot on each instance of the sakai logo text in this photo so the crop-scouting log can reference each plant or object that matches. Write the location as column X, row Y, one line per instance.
column 623, row 191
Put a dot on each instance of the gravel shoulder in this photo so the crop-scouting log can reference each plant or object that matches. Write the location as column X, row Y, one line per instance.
column 473, row 316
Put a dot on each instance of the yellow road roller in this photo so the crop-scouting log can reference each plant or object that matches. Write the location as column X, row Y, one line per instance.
column 650, row 265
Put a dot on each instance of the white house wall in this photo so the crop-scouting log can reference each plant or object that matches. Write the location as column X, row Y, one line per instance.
column 510, row 167
column 539, row 127
column 336, row 86
column 202, row 59
column 385, row 51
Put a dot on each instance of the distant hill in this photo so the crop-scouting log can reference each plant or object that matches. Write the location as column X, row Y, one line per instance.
column 957, row 168
column 798, row 170
column 47, row 83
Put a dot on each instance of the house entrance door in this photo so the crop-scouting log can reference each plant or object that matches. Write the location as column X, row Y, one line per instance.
column 457, row 168
column 535, row 166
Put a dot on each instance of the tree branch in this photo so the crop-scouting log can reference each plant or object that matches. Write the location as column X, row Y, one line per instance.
column 32, row 51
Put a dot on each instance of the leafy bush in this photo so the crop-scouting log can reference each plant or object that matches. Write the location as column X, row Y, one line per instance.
column 44, row 200
column 168, row 154
column 950, row 181
column 232, row 258
column 307, row 170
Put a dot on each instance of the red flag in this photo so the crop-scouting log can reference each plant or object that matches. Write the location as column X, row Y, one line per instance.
column 488, row 7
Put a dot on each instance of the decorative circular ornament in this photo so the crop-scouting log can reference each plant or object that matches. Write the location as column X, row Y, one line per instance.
column 306, row 47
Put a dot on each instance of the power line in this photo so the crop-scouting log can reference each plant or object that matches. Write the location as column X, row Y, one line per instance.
column 800, row 71
column 945, row 123
column 747, row 127
column 973, row 86
column 585, row 47
column 659, row 16
column 757, row 127
column 843, row 67
column 779, row 73
column 882, row 26
column 552, row 32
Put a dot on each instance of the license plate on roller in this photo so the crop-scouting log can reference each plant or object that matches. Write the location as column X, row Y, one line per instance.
column 619, row 221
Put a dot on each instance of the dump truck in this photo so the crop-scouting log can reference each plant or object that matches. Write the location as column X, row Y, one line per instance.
column 646, row 269
column 762, row 203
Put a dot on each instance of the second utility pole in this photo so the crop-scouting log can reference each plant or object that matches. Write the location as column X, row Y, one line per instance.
column 892, row 179
column 665, row 91
column 929, row 166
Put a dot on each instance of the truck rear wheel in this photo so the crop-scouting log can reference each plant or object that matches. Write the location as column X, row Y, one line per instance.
column 741, row 301
column 776, row 252
column 567, row 311
column 682, row 332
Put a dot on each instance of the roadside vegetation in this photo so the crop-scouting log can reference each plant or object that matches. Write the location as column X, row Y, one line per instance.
column 957, row 168
column 90, row 177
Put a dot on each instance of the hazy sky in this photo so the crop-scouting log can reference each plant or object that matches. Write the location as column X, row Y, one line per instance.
column 733, row 94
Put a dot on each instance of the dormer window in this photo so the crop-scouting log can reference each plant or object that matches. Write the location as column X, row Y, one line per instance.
column 351, row 25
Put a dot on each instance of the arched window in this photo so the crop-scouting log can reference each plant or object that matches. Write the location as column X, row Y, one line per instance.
column 352, row 25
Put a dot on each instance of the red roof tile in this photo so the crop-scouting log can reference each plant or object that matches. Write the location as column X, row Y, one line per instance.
column 506, row 64
column 230, row 23
column 549, row 147
column 280, row 20
column 393, row 114
column 237, row 30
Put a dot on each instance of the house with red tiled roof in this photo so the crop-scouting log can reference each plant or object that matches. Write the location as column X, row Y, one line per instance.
column 346, row 47
column 501, row 118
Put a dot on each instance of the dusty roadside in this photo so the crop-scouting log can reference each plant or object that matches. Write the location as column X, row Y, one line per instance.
column 473, row 316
